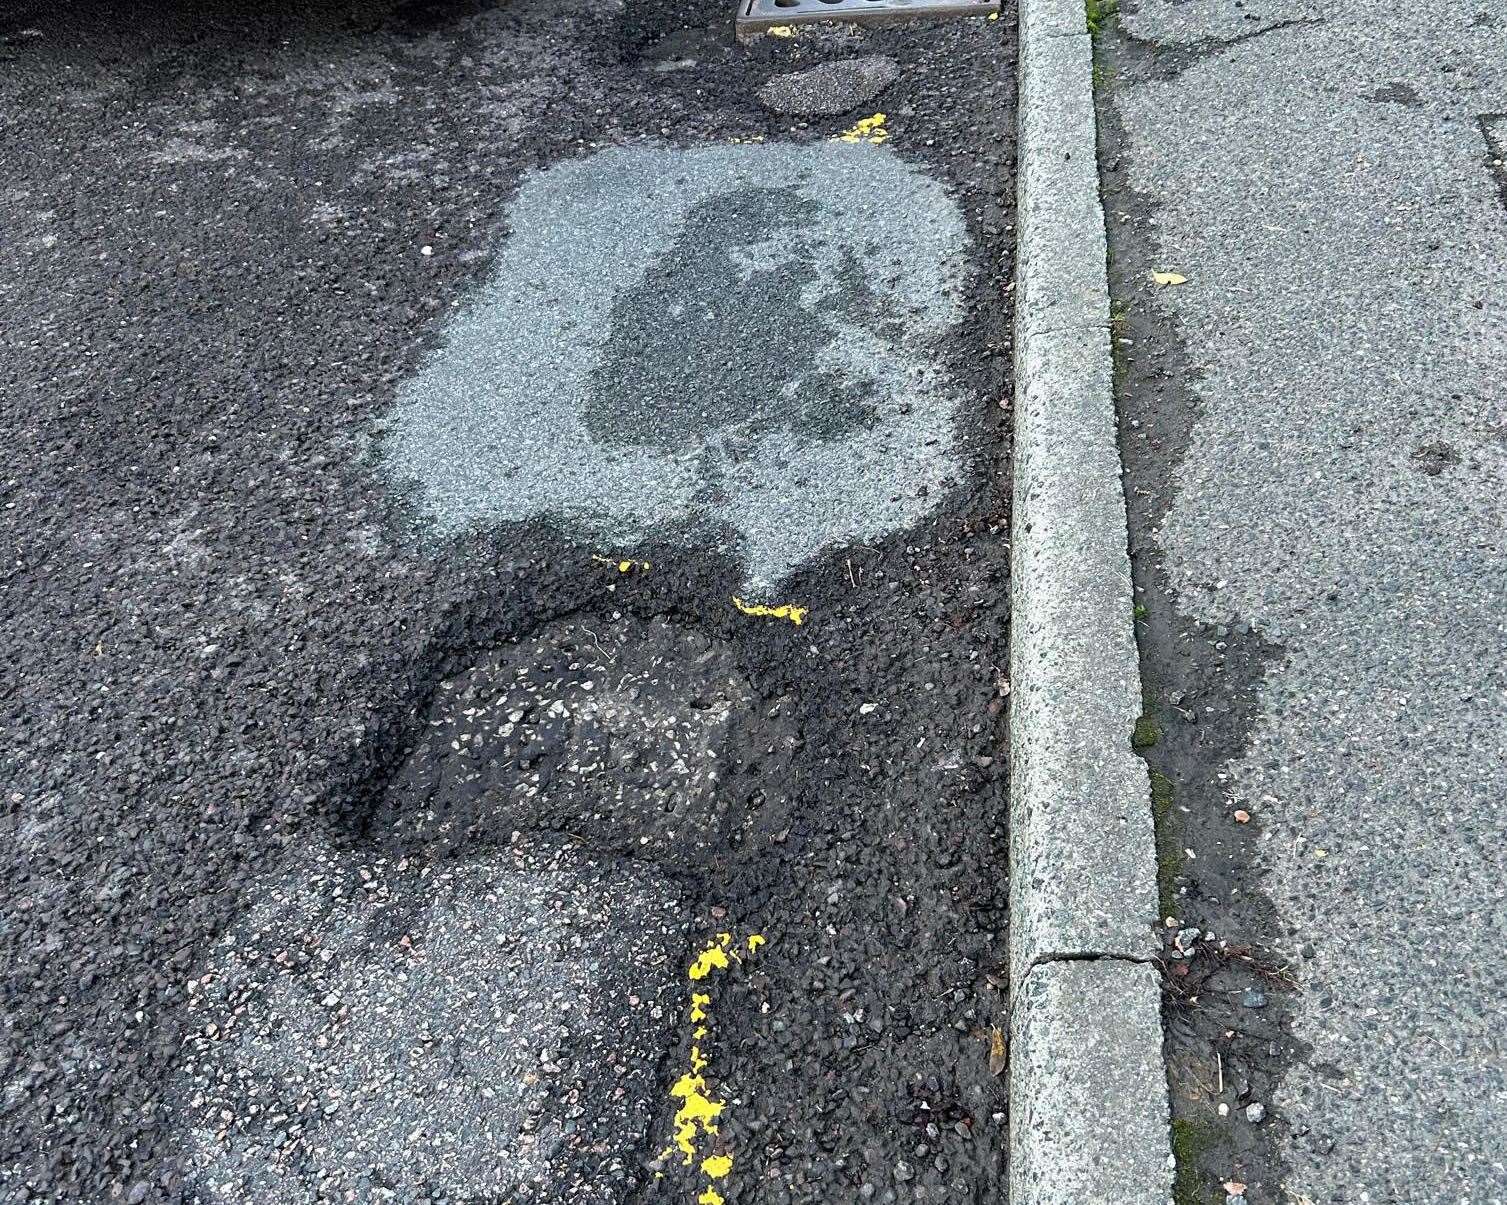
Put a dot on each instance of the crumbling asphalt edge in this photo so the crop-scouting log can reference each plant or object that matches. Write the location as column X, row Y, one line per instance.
column 1088, row 1090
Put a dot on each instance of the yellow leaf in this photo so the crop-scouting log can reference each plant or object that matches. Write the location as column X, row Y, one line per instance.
column 997, row 1050
column 1169, row 278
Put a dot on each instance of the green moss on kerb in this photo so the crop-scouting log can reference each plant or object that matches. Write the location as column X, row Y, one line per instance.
column 1096, row 12
column 1145, row 734
column 1170, row 858
column 1161, row 795
column 1190, row 1140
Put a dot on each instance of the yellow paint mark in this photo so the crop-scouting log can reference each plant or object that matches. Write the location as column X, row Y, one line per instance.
column 713, row 958
column 622, row 566
column 868, row 129
column 796, row 615
column 697, row 1112
column 717, row 1166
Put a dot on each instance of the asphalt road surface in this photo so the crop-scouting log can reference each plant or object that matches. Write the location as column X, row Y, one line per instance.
column 1316, row 448
column 504, row 592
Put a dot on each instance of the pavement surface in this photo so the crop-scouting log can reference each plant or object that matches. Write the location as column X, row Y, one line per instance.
column 505, row 576
column 1315, row 434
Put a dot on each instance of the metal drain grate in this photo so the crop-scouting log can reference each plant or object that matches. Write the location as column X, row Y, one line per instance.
column 757, row 15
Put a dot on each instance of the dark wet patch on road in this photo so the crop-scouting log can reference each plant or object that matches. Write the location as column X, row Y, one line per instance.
column 1225, row 1009
column 731, row 287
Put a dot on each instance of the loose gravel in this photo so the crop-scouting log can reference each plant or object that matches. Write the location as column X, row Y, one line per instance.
column 835, row 87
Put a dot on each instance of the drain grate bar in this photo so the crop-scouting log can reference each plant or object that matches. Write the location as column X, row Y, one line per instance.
column 757, row 15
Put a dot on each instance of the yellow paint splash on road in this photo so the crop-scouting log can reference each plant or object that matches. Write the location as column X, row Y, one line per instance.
column 717, row 1166
column 795, row 614
column 622, row 566
column 713, row 958
column 868, row 129
column 698, row 1112
column 698, row 1108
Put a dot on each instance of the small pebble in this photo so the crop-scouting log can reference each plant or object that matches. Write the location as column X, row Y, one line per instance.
column 1255, row 1112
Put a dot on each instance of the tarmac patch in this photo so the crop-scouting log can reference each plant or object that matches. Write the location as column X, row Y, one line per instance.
column 730, row 345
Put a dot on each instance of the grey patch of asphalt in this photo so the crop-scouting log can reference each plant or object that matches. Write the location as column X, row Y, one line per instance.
column 725, row 339
column 1291, row 1027
column 374, row 1024
column 835, row 87
column 237, row 660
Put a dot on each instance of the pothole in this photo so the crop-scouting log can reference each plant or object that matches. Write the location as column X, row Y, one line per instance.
column 616, row 735
column 473, row 1000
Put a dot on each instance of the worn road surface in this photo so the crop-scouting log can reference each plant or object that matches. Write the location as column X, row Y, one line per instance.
column 504, row 592
column 1315, row 429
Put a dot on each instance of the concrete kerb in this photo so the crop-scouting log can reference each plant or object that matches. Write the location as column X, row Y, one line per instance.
column 1088, row 1092
column 1084, row 1126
